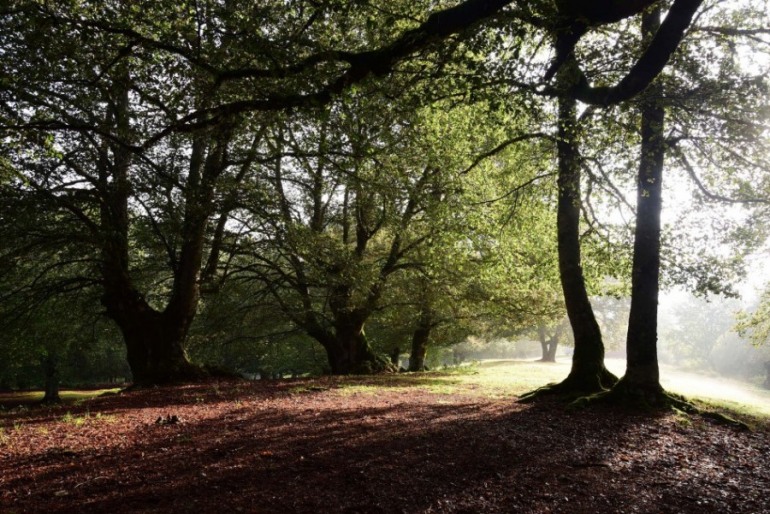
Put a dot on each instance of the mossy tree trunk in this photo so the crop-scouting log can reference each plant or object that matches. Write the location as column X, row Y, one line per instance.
column 154, row 343
column 155, row 338
column 588, row 373
column 347, row 348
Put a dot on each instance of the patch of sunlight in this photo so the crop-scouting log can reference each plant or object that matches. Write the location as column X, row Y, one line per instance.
column 496, row 379
column 720, row 392
column 351, row 389
column 500, row 379
column 66, row 395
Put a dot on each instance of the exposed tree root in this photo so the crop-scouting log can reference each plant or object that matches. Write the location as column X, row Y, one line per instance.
column 651, row 399
column 573, row 387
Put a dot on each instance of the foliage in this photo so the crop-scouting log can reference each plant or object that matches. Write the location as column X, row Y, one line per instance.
column 756, row 324
column 296, row 171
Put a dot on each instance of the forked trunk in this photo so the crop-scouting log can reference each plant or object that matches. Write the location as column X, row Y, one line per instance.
column 349, row 352
column 548, row 345
column 154, row 342
column 156, row 353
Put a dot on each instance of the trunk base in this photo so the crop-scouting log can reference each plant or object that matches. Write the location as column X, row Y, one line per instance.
column 652, row 398
column 180, row 372
column 372, row 365
column 574, row 386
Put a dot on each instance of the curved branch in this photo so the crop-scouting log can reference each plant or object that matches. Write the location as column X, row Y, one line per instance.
column 649, row 65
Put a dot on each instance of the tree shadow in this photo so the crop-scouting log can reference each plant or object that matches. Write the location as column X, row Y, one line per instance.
column 306, row 453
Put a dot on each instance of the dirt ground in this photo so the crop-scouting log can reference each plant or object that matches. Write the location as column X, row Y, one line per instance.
column 361, row 445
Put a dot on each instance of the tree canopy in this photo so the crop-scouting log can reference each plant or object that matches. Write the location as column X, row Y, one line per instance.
column 369, row 175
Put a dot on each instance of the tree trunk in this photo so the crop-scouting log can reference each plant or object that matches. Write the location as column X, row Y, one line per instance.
column 642, row 374
column 51, row 371
column 395, row 357
column 548, row 345
column 349, row 352
column 767, row 375
column 154, row 340
column 543, row 338
column 419, row 351
column 588, row 373
column 553, row 344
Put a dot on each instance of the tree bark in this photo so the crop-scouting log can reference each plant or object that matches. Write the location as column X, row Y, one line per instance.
column 642, row 373
column 395, row 357
column 588, row 373
column 51, row 371
column 155, row 345
column 349, row 352
column 155, row 339
column 767, row 375
column 419, row 351
column 347, row 348
column 548, row 345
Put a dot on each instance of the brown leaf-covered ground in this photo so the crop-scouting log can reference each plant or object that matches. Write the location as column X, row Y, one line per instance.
column 369, row 445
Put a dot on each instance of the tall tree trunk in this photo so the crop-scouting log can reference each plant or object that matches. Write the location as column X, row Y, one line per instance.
column 155, row 339
column 588, row 373
column 553, row 344
column 767, row 375
column 642, row 374
column 543, row 338
column 395, row 357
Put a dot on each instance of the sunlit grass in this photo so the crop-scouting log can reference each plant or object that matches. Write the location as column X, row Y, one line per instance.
column 67, row 396
column 488, row 379
column 508, row 379
column 86, row 418
column 351, row 389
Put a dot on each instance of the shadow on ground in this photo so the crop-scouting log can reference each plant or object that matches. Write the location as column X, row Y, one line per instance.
column 279, row 448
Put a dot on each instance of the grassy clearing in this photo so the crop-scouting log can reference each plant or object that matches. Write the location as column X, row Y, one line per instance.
column 67, row 396
column 488, row 379
column 508, row 379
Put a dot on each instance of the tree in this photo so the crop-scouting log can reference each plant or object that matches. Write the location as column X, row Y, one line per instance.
column 642, row 377
column 100, row 113
column 549, row 340
column 83, row 150
column 641, row 380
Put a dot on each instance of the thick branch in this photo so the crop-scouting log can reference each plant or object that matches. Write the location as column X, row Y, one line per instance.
column 649, row 65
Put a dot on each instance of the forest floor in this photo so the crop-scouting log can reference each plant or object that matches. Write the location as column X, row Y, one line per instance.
column 434, row 442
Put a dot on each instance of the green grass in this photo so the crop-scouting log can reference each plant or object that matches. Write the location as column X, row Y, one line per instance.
column 83, row 419
column 507, row 379
column 67, row 396
column 488, row 379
